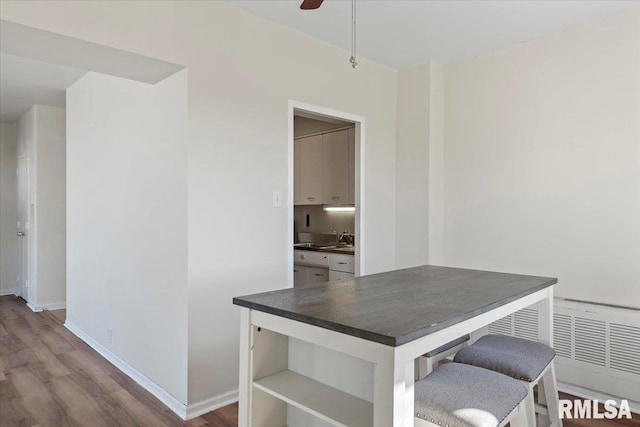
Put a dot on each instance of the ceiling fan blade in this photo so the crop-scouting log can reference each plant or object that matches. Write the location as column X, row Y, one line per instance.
column 310, row 4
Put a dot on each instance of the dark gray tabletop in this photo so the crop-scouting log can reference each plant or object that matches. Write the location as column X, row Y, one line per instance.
column 400, row 306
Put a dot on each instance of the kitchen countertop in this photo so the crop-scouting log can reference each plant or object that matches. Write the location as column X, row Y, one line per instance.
column 397, row 307
column 344, row 251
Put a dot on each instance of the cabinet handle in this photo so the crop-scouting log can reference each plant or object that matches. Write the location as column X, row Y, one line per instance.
column 342, row 263
column 320, row 274
column 336, row 198
column 295, row 271
column 311, row 198
column 303, row 257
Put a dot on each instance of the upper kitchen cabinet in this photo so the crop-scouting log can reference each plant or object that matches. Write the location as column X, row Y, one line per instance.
column 308, row 171
column 335, row 181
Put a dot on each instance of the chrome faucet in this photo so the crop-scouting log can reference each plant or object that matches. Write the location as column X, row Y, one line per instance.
column 339, row 236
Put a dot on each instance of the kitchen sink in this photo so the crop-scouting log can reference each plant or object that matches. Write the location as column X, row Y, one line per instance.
column 346, row 248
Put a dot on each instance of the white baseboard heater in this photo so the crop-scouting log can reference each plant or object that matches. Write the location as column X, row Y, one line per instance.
column 597, row 347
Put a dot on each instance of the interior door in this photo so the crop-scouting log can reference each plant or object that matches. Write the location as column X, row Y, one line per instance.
column 22, row 280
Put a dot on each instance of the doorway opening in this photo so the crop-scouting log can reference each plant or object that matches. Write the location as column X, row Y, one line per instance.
column 325, row 195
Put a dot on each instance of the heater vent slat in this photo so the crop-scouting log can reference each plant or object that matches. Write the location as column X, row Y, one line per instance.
column 525, row 324
column 502, row 326
column 562, row 335
column 586, row 334
column 625, row 340
column 590, row 341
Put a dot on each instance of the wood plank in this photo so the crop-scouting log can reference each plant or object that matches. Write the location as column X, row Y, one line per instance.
column 67, row 392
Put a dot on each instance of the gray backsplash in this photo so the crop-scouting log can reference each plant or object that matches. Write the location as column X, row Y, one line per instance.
column 321, row 221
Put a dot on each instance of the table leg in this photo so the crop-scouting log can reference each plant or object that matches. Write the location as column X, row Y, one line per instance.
column 545, row 335
column 244, row 388
column 545, row 319
column 393, row 390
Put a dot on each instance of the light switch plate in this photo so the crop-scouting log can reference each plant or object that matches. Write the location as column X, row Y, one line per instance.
column 277, row 198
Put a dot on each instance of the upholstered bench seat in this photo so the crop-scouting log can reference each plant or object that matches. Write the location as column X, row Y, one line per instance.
column 457, row 395
column 518, row 358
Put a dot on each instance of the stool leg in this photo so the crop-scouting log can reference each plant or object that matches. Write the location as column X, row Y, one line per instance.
column 551, row 395
column 520, row 418
column 542, row 417
column 530, row 406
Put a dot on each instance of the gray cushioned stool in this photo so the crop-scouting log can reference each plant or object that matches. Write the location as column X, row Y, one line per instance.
column 457, row 395
column 525, row 360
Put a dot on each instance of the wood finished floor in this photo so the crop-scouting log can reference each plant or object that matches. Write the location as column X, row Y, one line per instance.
column 50, row 378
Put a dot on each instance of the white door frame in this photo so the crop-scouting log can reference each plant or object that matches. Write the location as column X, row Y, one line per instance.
column 22, row 271
column 359, row 177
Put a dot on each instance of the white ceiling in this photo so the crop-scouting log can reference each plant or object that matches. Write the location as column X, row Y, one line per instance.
column 37, row 66
column 25, row 82
column 401, row 33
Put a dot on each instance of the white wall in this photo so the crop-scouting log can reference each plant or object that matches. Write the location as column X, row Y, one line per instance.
column 8, row 207
column 127, row 221
column 412, row 166
column 241, row 77
column 542, row 161
column 436, row 164
column 234, row 168
column 51, row 205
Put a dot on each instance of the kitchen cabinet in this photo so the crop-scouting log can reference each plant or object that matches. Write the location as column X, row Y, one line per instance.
column 335, row 167
column 317, row 275
column 318, row 267
column 324, row 169
column 305, row 275
column 340, row 276
column 311, row 258
column 308, row 170
column 341, row 267
column 299, row 275
column 310, row 267
column 340, row 262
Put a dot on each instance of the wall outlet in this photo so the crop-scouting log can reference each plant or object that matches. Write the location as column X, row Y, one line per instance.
column 110, row 336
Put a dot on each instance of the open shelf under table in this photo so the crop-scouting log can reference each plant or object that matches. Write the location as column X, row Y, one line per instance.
column 325, row 402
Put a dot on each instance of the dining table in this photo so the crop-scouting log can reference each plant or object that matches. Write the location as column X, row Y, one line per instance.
column 386, row 321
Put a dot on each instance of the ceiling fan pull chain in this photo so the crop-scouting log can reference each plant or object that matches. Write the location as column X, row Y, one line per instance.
column 352, row 60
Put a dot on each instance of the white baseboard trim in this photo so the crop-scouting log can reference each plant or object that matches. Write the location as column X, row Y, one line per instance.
column 585, row 393
column 51, row 306
column 34, row 308
column 54, row 306
column 199, row 408
column 171, row 402
column 4, row 292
